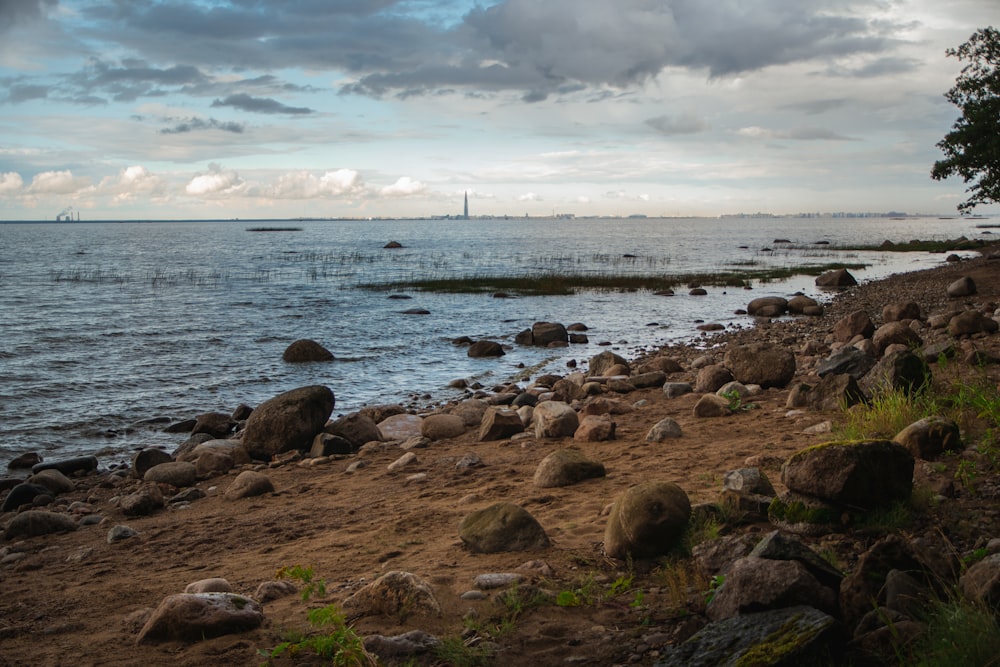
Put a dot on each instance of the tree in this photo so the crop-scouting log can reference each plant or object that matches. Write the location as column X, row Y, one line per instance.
column 972, row 148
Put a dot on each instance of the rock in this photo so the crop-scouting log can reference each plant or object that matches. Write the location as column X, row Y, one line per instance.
column 748, row 480
column 145, row 459
column 211, row 585
column 401, row 426
column 268, row 591
column 897, row 371
column 555, row 419
column 675, row 389
column 482, row 349
column 120, row 533
column 23, row 494
column 502, row 527
column 759, row 584
column 564, row 467
column 663, row 364
column 407, row 459
column 895, row 312
column 761, row 363
column 499, row 424
column 53, row 480
column 964, row 286
column 802, row 514
column 595, row 428
column 648, row 380
column 646, row 521
column 216, row 424
column 305, row 350
column 895, row 333
column 930, row 437
column 38, row 522
column 68, row 466
column 143, row 502
column 26, row 460
column 232, row 449
column 804, row 305
column 779, row 546
column 544, row 334
column 971, row 322
column 194, row 617
column 406, row 645
column 782, row 637
column 855, row 324
column 864, row 475
column 836, row 278
column 664, row 429
column 249, row 483
column 712, row 405
column 849, row 360
column 981, row 582
column 698, row 291
column 442, row 426
column 174, row 473
column 767, row 306
column 567, row 391
column 327, row 444
column 830, row 393
column 493, row 580
column 393, row 593
column 357, row 428
column 393, row 245
column 710, row 378
column 288, row 421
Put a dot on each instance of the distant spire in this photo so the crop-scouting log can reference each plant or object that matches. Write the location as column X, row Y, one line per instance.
column 465, row 214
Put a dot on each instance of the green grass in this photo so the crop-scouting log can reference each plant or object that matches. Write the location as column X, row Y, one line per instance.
column 959, row 634
column 560, row 283
column 887, row 414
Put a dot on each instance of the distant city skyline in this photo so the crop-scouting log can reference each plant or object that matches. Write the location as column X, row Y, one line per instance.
column 394, row 108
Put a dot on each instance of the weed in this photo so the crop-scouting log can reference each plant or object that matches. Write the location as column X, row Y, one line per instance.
column 682, row 582
column 959, row 633
column 459, row 652
column 893, row 518
column 967, row 473
column 336, row 641
column 887, row 414
column 972, row 558
column 714, row 584
column 305, row 575
column 736, row 403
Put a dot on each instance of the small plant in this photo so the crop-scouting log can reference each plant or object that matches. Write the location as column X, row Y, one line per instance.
column 336, row 641
column 714, row 584
column 736, row 403
column 305, row 575
column 459, row 652
column 584, row 594
column 972, row 558
column 888, row 413
column 966, row 473
column 959, row 633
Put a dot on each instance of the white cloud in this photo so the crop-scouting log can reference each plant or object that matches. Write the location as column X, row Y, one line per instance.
column 404, row 187
column 10, row 183
column 530, row 196
column 57, row 183
column 217, row 181
column 307, row 185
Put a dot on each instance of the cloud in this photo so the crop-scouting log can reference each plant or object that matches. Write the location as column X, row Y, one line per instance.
column 793, row 134
column 685, row 123
column 57, row 183
column 196, row 124
column 10, row 183
column 216, row 181
column 529, row 196
column 306, row 185
column 14, row 12
column 245, row 102
column 18, row 93
column 404, row 187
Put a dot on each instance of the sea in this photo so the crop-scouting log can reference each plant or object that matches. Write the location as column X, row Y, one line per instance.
column 110, row 330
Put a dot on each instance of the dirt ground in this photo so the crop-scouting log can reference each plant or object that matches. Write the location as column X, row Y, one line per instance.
column 69, row 599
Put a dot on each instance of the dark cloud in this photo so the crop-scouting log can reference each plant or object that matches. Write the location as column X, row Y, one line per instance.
column 686, row 123
column 245, row 102
column 198, row 124
column 13, row 12
column 24, row 92
column 816, row 107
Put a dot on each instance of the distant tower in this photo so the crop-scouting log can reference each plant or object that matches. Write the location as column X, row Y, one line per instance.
column 465, row 213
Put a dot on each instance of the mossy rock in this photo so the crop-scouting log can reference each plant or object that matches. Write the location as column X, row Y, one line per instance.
column 863, row 475
column 647, row 520
column 804, row 515
column 502, row 527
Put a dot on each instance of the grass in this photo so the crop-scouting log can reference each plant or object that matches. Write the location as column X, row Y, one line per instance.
column 565, row 283
column 887, row 414
column 960, row 633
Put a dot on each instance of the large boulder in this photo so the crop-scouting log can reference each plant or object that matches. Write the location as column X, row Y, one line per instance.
column 895, row 333
column 304, row 350
column 356, row 428
column 854, row 324
column 600, row 363
column 863, row 475
column 850, row 360
column 897, row 371
column 483, row 349
column 543, row 334
column 647, row 520
column 216, row 424
column 288, row 421
column 759, row 584
column 761, row 363
column 833, row 392
column 836, row 278
column 964, row 286
column 23, row 494
column 971, row 322
column 502, row 527
column 767, row 306
column 555, row 419
column 564, row 467
column 196, row 616
column 930, row 437
column 500, row 423
column 38, row 522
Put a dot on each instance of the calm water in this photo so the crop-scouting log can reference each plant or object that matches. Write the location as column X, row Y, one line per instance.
column 105, row 325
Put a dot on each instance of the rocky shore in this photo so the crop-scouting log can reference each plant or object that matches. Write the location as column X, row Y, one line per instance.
column 691, row 507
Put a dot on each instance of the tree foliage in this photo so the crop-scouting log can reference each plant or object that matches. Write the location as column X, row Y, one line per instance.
column 972, row 148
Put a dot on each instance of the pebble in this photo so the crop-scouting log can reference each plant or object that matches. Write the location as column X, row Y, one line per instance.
column 493, row 580
column 406, row 459
column 473, row 595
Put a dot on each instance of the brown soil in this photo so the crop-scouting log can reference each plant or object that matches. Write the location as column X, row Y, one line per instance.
column 68, row 599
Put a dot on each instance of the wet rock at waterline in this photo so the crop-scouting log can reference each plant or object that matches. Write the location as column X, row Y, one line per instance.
column 305, row 350
column 288, row 421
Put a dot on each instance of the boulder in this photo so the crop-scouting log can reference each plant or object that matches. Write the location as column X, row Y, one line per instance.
column 25, row 460
column 856, row 323
column 211, row 585
column 442, row 426
column 555, row 419
column 712, row 405
column 895, row 312
column 502, row 527
column 249, row 483
column 392, row 594
column 595, row 428
column 648, row 380
column 863, row 475
column 471, row 411
column 499, row 424
column 675, row 389
column 405, row 645
column 197, row 616
column 836, row 278
column 647, row 520
column 232, row 448
column 305, row 350
column 212, row 463
column 567, row 391
column 834, row 391
column 23, row 494
column 897, row 371
column 288, row 421
column 53, row 480
column 38, row 522
column 216, row 424
column 981, row 582
column 564, row 467
column 544, row 334
column 767, row 306
column 145, row 459
column 849, row 360
column 68, row 466
column 748, row 480
column 356, row 428
column 755, row 584
column 664, row 429
column 971, row 322
column 174, row 473
column 483, row 349
column 803, row 514
column 400, row 427
column 600, row 363
column 803, row 305
column 327, row 444
column 895, row 333
column 964, row 286
column 930, row 437
column 710, row 378
column 142, row 502
column 662, row 364
column 761, row 363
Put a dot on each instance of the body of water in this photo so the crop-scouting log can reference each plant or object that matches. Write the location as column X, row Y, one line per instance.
column 108, row 325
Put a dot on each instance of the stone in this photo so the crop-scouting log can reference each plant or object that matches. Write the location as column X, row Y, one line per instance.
column 567, row 391
column 712, row 405
column 400, row 426
column 499, row 424
column 664, row 429
column 216, row 424
column 194, row 617
column 748, row 480
column 856, row 323
column 648, row 380
column 981, row 582
column 930, row 437
column 231, row 448
column 268, row 591
column 483, row 349
column 407, row 459
column 836, row 278
column 305, row 350
column 393, row 593
column 779, row 546
column 53, row 480
column 502, row 527
column 971, row 322
column 211, row 585
column 895, row 333
column 832, row 392
column 675, row 389
column 68, row 466
column 406, row 645
column 734, row 389
column 357, row 428
column 767, row 306
column 849, row 360
column 26, row 460
column 759, row 584
column 145, row 459
column 327, row 444
column 595, row 428
column 663, row 364
column 964, row 286
column 249, row 483
column 471, row 411
column 646, row 521
column 38, row 522
column 803, row 514
column 174, row 473
column 555, row 419
column 711, row 378
column 801, row 304
column 23, row 494
column 442, row 426
column 902, row 370
column 863, row 475
column 544, row 334
column 288, row 421
column 143, row 502
column 564, row 467
column 895, row 312
column 599, row 364
column 120, row 533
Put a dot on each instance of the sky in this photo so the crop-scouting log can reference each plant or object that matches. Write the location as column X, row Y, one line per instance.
column 149, row 109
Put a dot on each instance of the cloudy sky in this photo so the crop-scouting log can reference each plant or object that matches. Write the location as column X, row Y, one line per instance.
column 286, row 108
